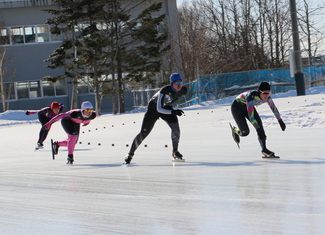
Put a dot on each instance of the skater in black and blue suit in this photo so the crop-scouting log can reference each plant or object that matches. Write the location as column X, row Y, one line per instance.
column 161, row 106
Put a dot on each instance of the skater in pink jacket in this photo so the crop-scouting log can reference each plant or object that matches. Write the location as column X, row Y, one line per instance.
column 70, row 122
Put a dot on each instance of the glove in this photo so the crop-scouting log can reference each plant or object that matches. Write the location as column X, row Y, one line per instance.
column 282, row 124
column 178, row 112
column 27, row 113
column 261, row 133
column 46, row 127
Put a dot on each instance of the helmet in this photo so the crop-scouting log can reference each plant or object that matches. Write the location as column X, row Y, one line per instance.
column 174, row 77
column 264, row 86
column 86, row 105
column 55, row 105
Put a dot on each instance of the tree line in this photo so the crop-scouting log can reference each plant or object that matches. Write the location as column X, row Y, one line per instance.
column 218, row 36
column 111, row 45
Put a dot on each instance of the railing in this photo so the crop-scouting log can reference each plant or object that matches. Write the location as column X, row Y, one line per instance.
column 26, row 3
column 214, row 87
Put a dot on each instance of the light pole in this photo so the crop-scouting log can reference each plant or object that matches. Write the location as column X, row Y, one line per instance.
column 299, row 76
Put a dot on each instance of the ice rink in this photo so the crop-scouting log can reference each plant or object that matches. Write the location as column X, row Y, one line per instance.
column 220, row 189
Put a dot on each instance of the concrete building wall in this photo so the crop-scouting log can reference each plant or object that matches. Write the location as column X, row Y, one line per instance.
column 27, row 59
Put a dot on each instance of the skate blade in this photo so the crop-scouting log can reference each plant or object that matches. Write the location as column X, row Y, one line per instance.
column 178, row 160
column 272, row 156
column 234, row 135
column 38, row 148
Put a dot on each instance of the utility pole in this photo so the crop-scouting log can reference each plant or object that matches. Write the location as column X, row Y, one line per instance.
column 299, row 76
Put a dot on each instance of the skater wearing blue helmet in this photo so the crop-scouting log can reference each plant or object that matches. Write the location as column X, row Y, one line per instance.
column 161, row 106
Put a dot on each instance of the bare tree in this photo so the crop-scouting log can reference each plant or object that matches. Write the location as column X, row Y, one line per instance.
column 220, row 36
column 275, row 23
column 194, row 42
column 2, row 78
column 7, row 74
column 312, row 34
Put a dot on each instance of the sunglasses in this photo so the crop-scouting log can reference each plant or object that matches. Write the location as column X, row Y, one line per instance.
column 88, row 110
column 178, row 83
column 266, row 92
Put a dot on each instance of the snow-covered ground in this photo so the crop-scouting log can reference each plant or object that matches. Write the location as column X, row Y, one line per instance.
column 220, row 189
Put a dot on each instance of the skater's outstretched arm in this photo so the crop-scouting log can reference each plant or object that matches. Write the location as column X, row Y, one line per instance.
column 276, row 113
column 47, row 125
column 273, row 108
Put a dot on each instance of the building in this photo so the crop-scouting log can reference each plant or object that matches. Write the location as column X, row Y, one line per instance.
column 315, row 60
column 26, row 38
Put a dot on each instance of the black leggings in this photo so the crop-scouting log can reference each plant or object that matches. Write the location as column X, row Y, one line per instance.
column 43, row 133
column 148, row 123
column 240, row 114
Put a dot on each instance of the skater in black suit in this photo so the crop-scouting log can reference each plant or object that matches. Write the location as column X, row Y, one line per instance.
column 160, row 106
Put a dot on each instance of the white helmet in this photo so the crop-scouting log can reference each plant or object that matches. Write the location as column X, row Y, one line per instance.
column 86, row 105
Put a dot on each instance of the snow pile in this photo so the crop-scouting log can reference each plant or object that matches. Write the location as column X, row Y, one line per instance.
column 296, row 111
column 15, row 117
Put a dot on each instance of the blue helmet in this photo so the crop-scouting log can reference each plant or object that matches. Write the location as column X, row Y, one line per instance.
column 174, row 77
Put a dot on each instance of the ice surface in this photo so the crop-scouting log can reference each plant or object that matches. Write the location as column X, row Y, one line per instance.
column 220, row 189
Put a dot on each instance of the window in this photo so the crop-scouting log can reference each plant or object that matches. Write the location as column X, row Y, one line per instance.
column 60, row 87
column 83, row 87
column 22, row 90
column 55, row 38
column 4, row 37
column 30, row 34
column 17, row 35
column 54, row 89
column 43, row 34
column 34, row 89
column 27, row 34
column 26, row 90
column 48, row 88
column 162, row 27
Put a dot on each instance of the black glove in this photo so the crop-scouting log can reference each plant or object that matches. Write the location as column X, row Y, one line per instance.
column 27, row 113
column 178, row 112
column 261, row 133
column 282, row 124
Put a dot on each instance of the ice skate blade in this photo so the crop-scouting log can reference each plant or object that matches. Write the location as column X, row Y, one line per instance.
column 270, row 157
column 53, row 154
column 178, row 160
column 234, row 135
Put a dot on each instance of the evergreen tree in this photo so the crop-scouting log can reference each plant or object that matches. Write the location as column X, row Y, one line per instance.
column 144, row 59
column 64, row 24
column 137, row 44
column 106, row 48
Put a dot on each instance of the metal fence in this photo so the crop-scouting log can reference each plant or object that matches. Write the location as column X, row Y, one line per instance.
column 213, row 87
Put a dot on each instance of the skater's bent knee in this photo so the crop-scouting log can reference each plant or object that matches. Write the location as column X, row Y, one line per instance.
column 244, row 133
